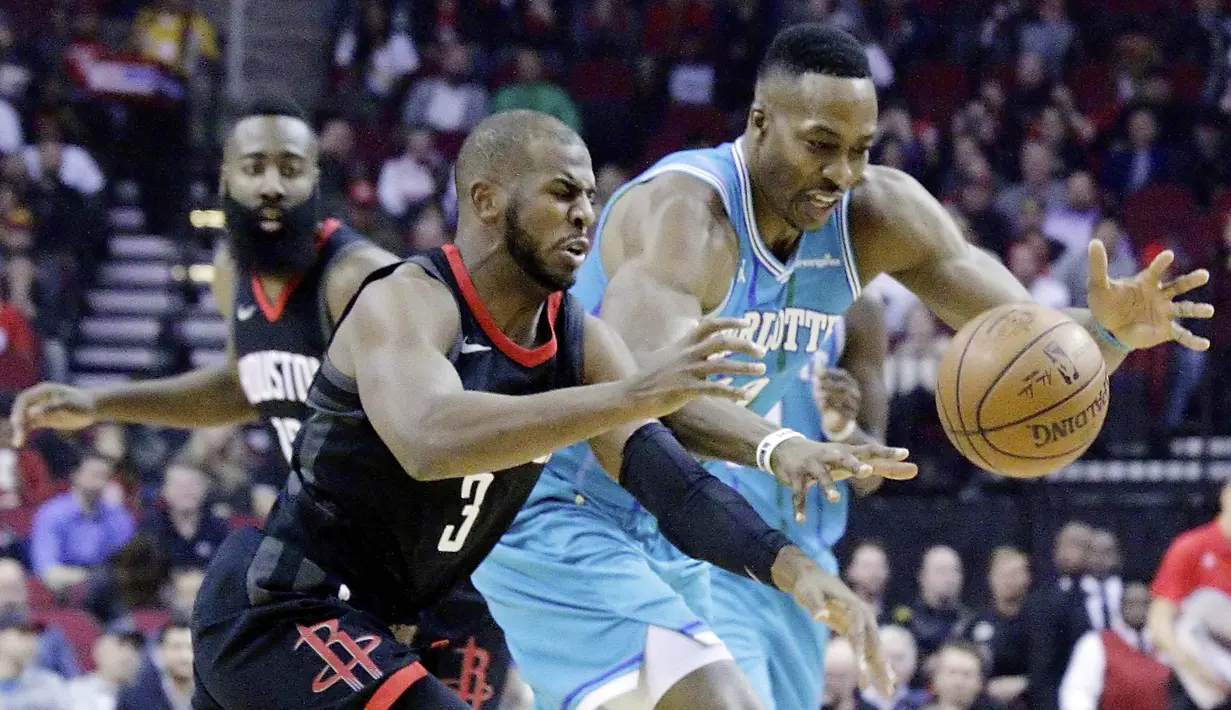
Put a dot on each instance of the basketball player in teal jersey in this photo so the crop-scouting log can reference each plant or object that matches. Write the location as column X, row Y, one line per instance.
column 782, row 227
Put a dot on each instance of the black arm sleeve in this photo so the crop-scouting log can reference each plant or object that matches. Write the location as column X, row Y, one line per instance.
column 698, row 513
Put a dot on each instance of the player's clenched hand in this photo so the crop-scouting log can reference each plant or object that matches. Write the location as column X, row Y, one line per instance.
column 50, row 405
column 832, row 603
column 800, row 463
column 836, row 390
column 680, row 372
column 1141, row 311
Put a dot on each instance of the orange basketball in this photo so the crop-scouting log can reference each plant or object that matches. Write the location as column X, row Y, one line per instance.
column 1022, row 390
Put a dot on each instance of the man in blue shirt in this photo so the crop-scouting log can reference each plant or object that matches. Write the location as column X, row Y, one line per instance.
column 79, row 528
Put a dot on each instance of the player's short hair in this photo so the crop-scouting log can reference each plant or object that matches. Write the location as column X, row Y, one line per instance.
column 271, row 105
column 500, row 146
column 812, row 47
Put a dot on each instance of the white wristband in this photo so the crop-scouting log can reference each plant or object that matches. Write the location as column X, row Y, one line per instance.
column 765, row 449
column 842, row 434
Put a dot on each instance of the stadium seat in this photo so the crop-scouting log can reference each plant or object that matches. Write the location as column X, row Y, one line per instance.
column 79, row 627
column 149, row 621
column 1158, row 212
column 936, row 90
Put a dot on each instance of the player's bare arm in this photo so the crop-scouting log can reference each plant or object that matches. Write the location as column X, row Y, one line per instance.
column 205, row 397
column 345, row 277
column 861, row 379
column 672, row 255
column 900, row 229
column 709, row 520
column 395, row 341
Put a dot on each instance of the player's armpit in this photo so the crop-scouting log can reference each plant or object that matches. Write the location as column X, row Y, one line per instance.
column 344, row 279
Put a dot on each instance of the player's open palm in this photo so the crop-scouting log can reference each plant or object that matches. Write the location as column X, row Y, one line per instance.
column 678, row 373
column 1142, row 311
column 832, row 603
column 50, row 405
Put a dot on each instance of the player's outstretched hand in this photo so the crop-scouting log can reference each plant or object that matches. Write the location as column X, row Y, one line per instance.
column 50, row 405
column 678, row 373
column 832, row 603
column 1142, row 311
column 800, row 463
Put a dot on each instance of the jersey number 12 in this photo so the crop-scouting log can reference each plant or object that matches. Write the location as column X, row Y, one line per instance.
column 474, row 488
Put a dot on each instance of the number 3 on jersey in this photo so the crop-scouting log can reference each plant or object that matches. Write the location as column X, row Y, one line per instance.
column 474, row 489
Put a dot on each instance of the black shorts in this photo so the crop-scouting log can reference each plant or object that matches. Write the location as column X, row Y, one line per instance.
column 269, row 631
column 461, row 645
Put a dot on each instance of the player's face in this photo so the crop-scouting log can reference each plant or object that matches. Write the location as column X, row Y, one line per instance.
column 808, row 142
column 270, row 196
column 547, row 219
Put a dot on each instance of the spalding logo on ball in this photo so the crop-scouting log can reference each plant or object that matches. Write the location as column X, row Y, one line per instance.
column 1022, row 390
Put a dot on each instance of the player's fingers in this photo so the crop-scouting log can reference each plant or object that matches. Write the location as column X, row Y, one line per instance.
column 878, row 670
column 1098, row 265
column 1185, row 337
column 728, row 366
column 799, row 498
column 822, row 475
column 846, row 460
column 726, row 343
column 26, row 408
column 895, row 470
column 719, row 389
column 709, row 326
column 1154, row 272
column 1191, row 309
column 866, row 452
column 1185, row 283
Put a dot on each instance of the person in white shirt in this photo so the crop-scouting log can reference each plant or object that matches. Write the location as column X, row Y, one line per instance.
column 1115, row 667
column 1103, row 586
column 117, row 656
column 409, row 180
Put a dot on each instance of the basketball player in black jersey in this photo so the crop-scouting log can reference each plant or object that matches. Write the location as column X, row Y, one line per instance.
column 282, row 277
column 450, row 380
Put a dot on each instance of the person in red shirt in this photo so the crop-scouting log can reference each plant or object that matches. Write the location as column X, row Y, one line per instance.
column 1191, row 611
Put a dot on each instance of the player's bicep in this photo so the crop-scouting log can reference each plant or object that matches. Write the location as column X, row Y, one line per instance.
column 646, row 309
column 608, row 359
column 348, row 274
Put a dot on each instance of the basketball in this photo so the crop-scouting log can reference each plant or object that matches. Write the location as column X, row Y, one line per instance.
column 1022, row 390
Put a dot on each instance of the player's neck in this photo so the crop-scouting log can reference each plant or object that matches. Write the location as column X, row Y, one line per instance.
column 272, row 284
column 780, row 236
column 512, row 298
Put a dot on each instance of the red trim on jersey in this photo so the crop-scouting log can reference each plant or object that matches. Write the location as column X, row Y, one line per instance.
column 393, row 687
column 526, row 357
column 273, row 310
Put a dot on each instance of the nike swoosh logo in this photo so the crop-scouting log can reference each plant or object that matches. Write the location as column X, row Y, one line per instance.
column 469, row 347
column 245, row 312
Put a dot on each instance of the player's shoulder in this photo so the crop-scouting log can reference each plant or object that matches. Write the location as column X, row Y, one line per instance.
column 348, row 271
column 1200, row 539
column 408, row 298
column 896, row 215
column 674, row 211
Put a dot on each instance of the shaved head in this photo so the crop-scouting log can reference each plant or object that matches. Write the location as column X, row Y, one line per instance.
column 506, row 144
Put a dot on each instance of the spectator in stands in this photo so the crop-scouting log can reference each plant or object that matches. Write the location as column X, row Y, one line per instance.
column 1027, row 260
column 340, row 165
column 744, row 29
column 117, row 657
column 1114, row 668
column 223, row 455
column 1208, row 171
column 428, row 230
column 132, row 579
column 1102, row 586
column 1073, row 269
column 608, row 28
column 1142, row 160
column 842, row 678
column 79, row 528
column 691, row 79
column 975, row 204
column 174, row 34
column 868, row 575
column 53, row 652
column 957, row 680
column 1049, row 34
column 609, row 179
column 11, row 136
column 1056, row 616
column 1038, row 169
column 1000, row 631
column 170, row 687
column 376, row 51
column 534, row 90
column 183, row 526
column 410, row 180
column 23, row 685
column 938, row 614
column 52, row 161
column 1190, row 614
column 185, row 585
column 451, row 102
column 1032, row 89
column 1072, row 222
column 21, row 354
column 902, row 655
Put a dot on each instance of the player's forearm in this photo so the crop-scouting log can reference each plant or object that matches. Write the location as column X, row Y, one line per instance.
column 1160, row 624
column 1113, row 354
column 719, row 429
column 205, row 397
column 474, row 432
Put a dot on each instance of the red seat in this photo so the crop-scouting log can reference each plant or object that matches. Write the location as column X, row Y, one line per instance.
column 1187, row 81
column 601, row 80
column 38, row 596
column 1221, row 205
column 936, row 90
column 1093, row 87
column 150, row 621
column 79, row 628
column 239, row 521
column 1158, row 212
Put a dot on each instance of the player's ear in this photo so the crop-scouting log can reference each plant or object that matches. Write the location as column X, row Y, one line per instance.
column 488, row 200
column 757, row 118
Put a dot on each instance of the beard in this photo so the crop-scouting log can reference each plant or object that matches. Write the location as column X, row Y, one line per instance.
column 522, row 248
column 291, row 249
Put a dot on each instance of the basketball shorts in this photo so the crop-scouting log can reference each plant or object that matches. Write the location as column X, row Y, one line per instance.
column 461, row 645
column 576, row 590
column 773, row 639
column 271, row 630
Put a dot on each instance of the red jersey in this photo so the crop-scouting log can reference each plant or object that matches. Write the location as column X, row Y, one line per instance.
column 1199, row 558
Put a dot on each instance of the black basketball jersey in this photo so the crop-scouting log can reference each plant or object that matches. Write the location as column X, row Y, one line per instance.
column 279, row 344
column 399, row 544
